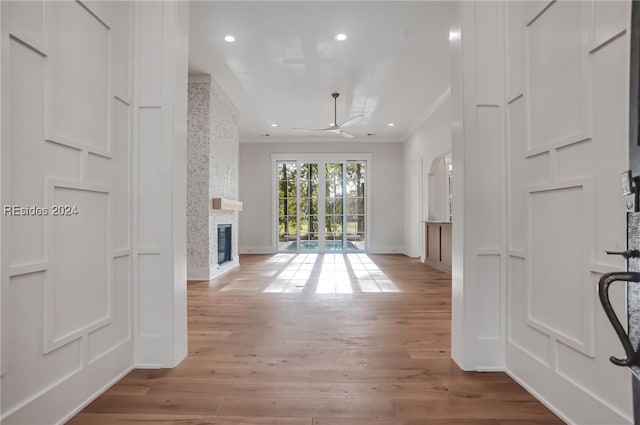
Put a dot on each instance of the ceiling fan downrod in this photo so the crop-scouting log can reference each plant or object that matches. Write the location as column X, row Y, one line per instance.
column 335, row 108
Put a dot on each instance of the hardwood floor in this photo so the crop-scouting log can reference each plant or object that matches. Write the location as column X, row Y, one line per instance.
column 318, row 340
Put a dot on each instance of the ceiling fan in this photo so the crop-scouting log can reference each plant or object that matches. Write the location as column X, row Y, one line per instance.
column 335, row 128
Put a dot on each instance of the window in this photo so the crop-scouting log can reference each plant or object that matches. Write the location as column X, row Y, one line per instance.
column 310, row 219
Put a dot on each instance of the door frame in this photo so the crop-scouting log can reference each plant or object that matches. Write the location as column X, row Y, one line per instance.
column 320, row 158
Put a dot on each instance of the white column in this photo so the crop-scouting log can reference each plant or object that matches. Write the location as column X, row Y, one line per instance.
column 477, row 339
column 160, row 118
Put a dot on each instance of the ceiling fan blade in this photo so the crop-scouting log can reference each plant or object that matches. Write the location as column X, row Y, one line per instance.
column 351, row 122
column 345, row 134
column 313, row 129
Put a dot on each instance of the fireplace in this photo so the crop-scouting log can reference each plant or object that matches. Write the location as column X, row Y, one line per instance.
column 224, row 243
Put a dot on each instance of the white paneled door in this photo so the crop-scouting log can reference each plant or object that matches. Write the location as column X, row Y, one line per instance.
column 66, row 199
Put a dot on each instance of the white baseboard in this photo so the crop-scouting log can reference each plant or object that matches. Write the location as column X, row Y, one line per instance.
column 538, row 397
column 256, row 249
column 95, row 395
column 382, row 249
column 387, row 249
column 570, row 402
column 61, row 400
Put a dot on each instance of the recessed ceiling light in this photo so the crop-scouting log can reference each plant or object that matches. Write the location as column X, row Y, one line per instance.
column 332, row 124
column 341, row 37
column 274, row 125
column 229, row 38
column 390, row 124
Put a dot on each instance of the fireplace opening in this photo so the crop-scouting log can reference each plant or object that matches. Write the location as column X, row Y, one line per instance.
column 224, row 243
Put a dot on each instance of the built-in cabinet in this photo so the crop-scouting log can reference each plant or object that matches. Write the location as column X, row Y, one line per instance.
column 437, row 245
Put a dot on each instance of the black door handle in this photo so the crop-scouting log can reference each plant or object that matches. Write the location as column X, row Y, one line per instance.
column 632, row 357
column 629, row 253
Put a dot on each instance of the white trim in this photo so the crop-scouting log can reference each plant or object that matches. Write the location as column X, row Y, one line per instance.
column 256, row 249
column 337, row 157
column 199, row 79
column 320, row 139
column 386, row 249
column 95, row 395
column 432, row 109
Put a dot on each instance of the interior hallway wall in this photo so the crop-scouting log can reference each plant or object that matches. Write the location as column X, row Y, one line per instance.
column 567, row 97
column 67, row 274
column 93, row 118
column 430, row 140
column 540, row 122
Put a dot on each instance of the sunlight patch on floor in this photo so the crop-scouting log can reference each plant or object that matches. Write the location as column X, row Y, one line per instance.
column 328, row 274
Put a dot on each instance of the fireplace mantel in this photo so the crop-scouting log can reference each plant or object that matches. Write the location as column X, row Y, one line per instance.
column 226, row 204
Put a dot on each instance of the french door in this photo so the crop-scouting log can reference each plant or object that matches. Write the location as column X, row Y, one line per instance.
column 321, row 206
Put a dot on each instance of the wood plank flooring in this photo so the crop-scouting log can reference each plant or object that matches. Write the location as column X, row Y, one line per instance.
column 318, row 340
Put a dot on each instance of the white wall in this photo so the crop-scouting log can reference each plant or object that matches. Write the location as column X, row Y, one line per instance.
column 95, row 95
column 540, row 115
column 387, row 175
column 67, row 282
column 430, row 140
column 566, row 97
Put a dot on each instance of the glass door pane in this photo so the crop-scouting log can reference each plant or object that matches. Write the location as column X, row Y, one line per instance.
column 287, row 206
column 355, row 181
column 321, row 206
column 334, row 207
column 308, row 207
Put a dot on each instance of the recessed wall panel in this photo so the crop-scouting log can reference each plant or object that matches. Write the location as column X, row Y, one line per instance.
column 609, row 18
column 26, row 131
column 515, row 51
column 558, row 74
column 557, row 261
column 572, row 363
column 79, row 252
column 79, row 84
column 488, row 296
column 26, row 19
column 611, row 145
column 31, row 370
column 576, row 160
column 538, row 169
column 516, row 132
column 154, row 175
column 152, row 269
column 121, row 50
column 487, row 49
column 121, row 169
column 488, row 212
column 150, row 26
column 102, row 340
column 529, row 339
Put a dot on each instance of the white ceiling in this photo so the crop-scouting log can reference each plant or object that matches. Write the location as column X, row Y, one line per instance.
column 285, row 63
